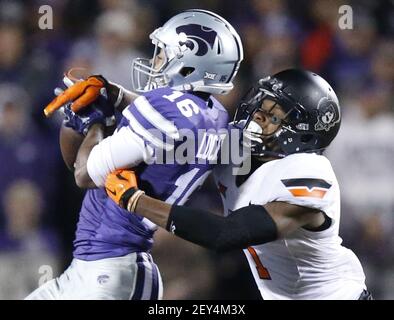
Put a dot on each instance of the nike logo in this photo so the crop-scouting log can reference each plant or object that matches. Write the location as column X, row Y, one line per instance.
column 111, row 191
column 120, row 177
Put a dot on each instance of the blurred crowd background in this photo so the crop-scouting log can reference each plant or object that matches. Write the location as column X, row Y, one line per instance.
column 39, row 201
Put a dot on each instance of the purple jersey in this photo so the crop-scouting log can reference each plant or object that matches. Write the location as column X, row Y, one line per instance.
column 175, row 126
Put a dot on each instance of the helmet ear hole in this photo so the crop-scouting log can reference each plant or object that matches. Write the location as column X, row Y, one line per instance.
column 307, row 138
column 185, row 71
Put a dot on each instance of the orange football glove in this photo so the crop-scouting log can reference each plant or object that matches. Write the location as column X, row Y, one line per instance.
column 81, row 94
column 121, row 185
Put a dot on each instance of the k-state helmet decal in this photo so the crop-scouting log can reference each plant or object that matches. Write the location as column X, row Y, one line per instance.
column 198, row 38
column 327, row 115
column 192, row 43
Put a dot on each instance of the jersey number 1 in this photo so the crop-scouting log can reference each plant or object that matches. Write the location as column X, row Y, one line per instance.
column 261, row 270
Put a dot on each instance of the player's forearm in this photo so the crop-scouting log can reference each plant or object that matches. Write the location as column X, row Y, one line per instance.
column 70, row 142
column 120, row 97
column 245, row 227
column 155, row 210
column 128, row 98
column 94, row 136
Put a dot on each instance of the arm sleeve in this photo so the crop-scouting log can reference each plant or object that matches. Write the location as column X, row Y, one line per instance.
column 124, row 149
column 246, row 226
column 147, row 130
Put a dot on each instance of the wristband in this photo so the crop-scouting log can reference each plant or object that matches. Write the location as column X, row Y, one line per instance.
column 132, row 203
column 120, row 97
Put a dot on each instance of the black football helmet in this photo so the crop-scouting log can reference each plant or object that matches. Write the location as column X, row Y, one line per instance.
column 312, row 110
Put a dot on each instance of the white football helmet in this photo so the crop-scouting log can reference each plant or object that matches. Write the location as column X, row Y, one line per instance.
column 202, row 52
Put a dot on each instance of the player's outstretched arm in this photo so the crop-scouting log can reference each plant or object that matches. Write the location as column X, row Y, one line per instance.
column 251, row 225
column 247, row 226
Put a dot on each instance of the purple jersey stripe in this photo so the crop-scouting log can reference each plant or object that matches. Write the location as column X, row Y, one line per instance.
column 148, row 126
column 139, row 284
column 155, row 282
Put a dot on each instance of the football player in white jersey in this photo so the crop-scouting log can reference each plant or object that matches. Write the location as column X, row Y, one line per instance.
column 285, row 212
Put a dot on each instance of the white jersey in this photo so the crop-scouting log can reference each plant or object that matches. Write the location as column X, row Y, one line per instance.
column 305, row 264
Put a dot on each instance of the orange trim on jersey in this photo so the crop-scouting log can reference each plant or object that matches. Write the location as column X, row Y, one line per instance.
column 305, row 192
column 261, row 270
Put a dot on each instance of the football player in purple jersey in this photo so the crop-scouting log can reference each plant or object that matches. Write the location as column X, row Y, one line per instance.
column 170, row 113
